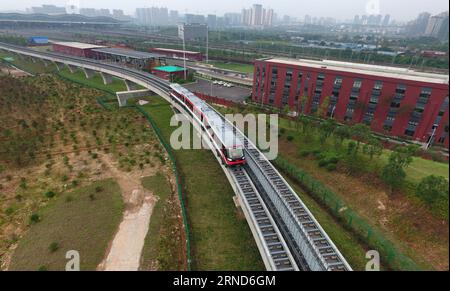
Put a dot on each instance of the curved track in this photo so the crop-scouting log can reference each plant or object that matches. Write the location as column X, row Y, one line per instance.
column 288, row 236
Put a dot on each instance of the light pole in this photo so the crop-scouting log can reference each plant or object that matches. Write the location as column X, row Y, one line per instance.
column 207, row 44
column 184, row 52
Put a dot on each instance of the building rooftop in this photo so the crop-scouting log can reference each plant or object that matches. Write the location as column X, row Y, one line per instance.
column 79, row 45
column 169, row 69
column 175, row 51
column 128, row 53
column 374, row 70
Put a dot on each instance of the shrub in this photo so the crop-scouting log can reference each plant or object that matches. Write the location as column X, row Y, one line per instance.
column 323, row 163
column 9, row 211
column 50, row 194
column 304, row 153
column 433, row 189
column 42, row 269
column 290, row 138
column 331, row 167
column 53, row 247
column 98, row 189
column 92, row 197
column 35, row 218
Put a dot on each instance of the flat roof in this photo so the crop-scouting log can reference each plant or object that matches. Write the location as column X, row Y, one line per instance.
column 78, row 45
column 373, row 70
column 175, row 51
column 128, row 53
column 169, row 69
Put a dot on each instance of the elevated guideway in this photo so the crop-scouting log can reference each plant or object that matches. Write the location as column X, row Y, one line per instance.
column 288, row 236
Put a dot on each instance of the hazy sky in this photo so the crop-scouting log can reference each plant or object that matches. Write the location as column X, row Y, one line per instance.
column 340, row 9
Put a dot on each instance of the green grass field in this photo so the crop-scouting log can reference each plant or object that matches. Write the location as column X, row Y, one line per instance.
column 162, row 242
column 243, row 68
column 84, row 220
column 220, row 236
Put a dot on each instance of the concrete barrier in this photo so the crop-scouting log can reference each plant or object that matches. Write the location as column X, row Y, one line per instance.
column 123, row 97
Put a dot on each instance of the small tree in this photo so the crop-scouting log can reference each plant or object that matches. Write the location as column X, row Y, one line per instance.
column 432, row 189
column 373, row 148
column 342, row 133
column 393, row 175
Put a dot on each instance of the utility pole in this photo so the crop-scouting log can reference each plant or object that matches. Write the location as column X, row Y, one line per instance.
column 207, row 44
column 184, row 53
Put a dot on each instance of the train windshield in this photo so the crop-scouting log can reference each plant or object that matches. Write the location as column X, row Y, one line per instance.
column 235, row 154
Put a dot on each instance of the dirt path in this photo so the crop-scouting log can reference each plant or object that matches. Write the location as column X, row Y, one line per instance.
column 125, row 250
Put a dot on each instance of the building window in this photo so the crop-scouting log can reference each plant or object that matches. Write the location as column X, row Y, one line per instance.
column 273, row 85
column 317, row 93
column 287, row 87
column 334, row 96
column 354, row 95
column 373, row 102
column 416, row 115
column 395, row 105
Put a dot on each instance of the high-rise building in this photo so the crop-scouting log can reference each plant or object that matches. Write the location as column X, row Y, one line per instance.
column 211, row 20
column 49, row 9
column 268, row 17
column 386, row 20
column 437, row 26
column 174, row 17
column 118, row 14
column 356, row 20
column 308, row 19
column 419, row 26
column 152, row 16
column 233, row 19
column 257, row 15
column 247, row 17
column 192, row 31
column 194, row 18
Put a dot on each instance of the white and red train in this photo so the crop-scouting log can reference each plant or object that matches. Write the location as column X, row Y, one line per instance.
column 221, row 135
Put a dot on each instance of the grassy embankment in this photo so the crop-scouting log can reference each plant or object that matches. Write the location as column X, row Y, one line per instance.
column 163, row 249
column 83, row 220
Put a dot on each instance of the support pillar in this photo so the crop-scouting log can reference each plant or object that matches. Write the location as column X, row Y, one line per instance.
column 107, row 79
column 89, row 73
column 59, row 66
column 131, row 86
column 123, row 97
column 72, row 69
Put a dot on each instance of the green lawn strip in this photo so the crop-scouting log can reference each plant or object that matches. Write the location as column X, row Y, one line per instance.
column 243, row 68
column 220, row 236
column 159, row 244
column 84, row 220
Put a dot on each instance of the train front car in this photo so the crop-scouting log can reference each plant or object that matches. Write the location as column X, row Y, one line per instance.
column 233, row 150
column 227, row 145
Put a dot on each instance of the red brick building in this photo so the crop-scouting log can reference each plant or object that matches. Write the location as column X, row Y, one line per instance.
column 393, row 101
column 76, row 49
column 179, row 54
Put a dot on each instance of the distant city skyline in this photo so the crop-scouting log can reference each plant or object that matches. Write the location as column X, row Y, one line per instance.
column 341, row 10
